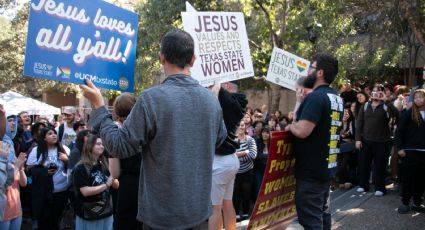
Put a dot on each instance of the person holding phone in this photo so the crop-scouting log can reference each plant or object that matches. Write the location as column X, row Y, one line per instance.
column 373, row 137
column 50, row 154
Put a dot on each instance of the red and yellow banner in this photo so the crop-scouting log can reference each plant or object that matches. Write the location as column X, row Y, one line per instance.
column 275, row 205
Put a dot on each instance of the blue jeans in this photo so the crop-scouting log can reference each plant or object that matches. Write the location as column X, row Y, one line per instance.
column 102, row 224
column 14, row 224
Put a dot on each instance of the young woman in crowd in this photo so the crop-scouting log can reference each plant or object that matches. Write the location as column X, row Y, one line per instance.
column 272, row 122
column 258, row 127
column 410, row 136
column 47, row 163
column 127, row 172
column 278, row 115
column 91, row 183
column 260, row 162
column 284, row 121
column 345, row 170
column 13, row 212
column 248, row 125
column 291, row 116
column 242, row 192
column 362, row 98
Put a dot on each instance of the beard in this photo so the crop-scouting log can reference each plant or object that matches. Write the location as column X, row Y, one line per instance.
column 310, row 80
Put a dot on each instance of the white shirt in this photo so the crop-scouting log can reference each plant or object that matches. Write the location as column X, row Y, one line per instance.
column 60, row 178
column 422, row 114
column 69, row 135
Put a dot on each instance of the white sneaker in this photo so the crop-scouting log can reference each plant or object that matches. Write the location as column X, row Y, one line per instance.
column 379, row 193
column 360, row 189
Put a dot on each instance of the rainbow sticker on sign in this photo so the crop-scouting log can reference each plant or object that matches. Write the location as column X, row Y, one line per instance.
column 63, row 72
column 301, row 66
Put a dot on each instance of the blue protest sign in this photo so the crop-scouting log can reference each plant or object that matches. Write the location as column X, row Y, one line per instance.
column 75, row 40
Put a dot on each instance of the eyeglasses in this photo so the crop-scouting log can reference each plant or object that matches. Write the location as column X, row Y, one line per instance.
column 312, row 67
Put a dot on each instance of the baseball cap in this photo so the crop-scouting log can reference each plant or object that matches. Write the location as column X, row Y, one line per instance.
column 69, row 110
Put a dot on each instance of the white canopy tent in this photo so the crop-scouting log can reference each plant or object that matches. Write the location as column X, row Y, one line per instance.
column 15, row 103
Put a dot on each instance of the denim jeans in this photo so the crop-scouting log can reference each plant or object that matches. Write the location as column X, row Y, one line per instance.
column 14, row 224
column 102, row 224
column 312, row 202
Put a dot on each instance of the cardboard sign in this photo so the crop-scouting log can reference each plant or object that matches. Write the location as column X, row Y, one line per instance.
column 285, row 68
column 75, row 40
column 275, row 205
column 221, row 46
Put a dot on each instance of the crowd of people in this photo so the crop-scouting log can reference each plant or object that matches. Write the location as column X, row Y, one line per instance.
column 150, row 165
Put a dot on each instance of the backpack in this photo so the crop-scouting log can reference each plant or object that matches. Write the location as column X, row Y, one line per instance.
column 61, row 131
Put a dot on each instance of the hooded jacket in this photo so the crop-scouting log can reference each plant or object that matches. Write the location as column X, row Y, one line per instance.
column 6, row 171
column 233, row 106
column 9, row 136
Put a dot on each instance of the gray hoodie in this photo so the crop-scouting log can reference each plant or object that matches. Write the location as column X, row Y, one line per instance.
column 179, row 125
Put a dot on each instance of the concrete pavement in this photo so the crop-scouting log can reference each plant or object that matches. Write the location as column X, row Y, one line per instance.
column 363, row 211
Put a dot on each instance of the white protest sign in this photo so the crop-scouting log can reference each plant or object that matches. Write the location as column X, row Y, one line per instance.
column 189, row 7
column 221, row 46
column 285, row 68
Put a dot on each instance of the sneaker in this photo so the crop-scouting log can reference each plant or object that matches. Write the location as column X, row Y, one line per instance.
column 238, row 218
column 245, row 217
column 403, row 209
column 418, row 208
column 360, row 189
column 379, row 193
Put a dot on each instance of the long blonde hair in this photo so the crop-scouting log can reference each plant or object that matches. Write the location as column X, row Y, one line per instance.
column 87, row 158
column 416, row 115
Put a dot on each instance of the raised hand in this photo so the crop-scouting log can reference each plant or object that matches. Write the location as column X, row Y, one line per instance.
column 93, row 94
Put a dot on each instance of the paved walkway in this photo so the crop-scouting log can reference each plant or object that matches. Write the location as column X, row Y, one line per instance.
column 363, row 211
column 380, row 213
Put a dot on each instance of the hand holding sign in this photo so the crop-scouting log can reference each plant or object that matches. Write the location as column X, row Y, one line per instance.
column 92, row 93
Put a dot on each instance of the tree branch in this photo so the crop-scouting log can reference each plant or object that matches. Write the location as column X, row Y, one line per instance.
column 254, row 44
column 411, row 14
column 275, row 39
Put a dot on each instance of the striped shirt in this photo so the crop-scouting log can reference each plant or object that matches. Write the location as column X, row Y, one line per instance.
column 247, row 161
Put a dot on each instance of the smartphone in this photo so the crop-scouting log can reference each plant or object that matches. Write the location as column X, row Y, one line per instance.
column 376, row 94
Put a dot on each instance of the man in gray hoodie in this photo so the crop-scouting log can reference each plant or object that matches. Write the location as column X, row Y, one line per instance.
column 178, row 125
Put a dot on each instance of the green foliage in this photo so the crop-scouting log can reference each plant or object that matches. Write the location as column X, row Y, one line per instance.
column 12, row 44
column 367, row 36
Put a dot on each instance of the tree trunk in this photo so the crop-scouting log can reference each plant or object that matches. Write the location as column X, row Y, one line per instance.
column 274, row 93
column 275, row 97
column 411, row 14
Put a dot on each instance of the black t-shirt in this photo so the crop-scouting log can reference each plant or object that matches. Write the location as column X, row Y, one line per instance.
column 82, row 179
column 316, row 154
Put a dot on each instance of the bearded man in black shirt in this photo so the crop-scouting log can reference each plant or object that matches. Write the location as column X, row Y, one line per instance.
column 316, row 132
